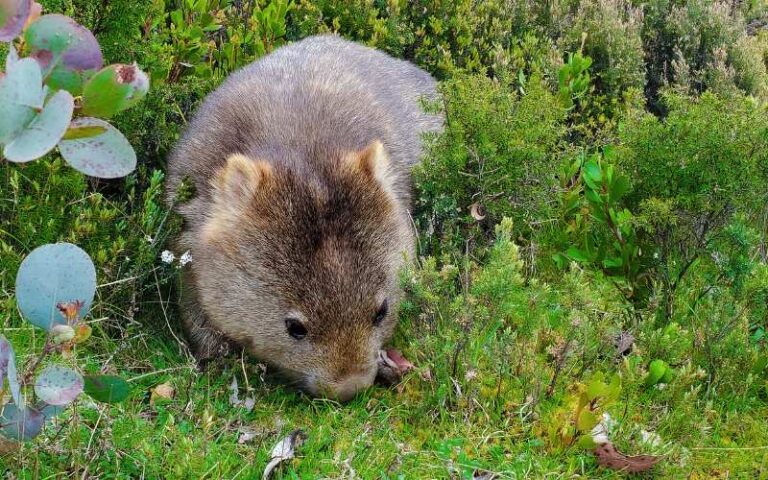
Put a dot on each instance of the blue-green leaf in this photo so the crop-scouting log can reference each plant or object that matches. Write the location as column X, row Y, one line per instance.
column 21, row 95
column 50, row 275
column 45, row 131
column 8, row 369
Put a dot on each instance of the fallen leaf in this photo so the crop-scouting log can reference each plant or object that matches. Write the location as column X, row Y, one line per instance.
column 284, row 450
column 164, row 391
column 602, row 429
column 477, row 211
column 246, row 436
column 609, row 457
column 482, row 475
column 234, row 398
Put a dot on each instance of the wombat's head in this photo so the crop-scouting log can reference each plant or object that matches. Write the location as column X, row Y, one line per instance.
column 302, row 267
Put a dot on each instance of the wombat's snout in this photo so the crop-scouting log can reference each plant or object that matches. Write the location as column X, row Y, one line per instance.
column 345, row 387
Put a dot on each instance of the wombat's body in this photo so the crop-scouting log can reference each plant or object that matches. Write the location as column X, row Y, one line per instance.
column 301, row 165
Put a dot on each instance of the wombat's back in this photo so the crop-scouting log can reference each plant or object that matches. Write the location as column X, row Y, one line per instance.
column 317, row 95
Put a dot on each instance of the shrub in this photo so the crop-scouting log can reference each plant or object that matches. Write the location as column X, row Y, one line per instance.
column 497, row 153
column 694, row 45
column 609, row 31
column 698, row 178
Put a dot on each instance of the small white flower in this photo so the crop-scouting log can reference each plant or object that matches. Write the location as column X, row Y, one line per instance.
column 167, row 256
column 185, row 258
column 149, row 239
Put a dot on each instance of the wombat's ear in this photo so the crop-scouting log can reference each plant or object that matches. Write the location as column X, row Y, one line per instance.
column 240, row 179
column 372, row 161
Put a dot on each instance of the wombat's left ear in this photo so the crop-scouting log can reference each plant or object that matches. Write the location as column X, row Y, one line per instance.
column 373, row 163
column 240, row 179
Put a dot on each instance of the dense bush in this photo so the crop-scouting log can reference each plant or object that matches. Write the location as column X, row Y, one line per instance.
column 703, row 44
column 497, row 153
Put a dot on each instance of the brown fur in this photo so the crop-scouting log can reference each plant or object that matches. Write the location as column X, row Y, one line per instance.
column 309, row 222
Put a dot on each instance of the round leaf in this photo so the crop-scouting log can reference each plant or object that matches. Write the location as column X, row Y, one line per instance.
column 106, row 155
column 113, row 89
column 58, row 385
column 64, row 49
column 107, row 388
column 45, row 131
column 21, row 94
column 13, row 15
column 50, row 275
column 22, row 424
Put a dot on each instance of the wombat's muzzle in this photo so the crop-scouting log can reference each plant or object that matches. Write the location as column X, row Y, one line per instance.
column 345, row 388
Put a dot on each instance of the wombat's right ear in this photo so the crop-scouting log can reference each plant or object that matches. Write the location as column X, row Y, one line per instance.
column 240, row 179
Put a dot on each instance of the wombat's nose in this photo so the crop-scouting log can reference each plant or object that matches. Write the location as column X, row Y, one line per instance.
column 346, row 388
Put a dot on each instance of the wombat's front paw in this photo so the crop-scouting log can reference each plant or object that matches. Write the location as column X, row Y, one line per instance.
column 211, row 347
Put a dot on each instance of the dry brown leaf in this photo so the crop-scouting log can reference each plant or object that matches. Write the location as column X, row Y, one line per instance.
column 477, row 211
column 164, row 391
column 284, row 450
column 609, row 457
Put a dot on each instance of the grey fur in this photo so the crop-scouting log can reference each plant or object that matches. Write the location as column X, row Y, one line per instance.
column 300, row 109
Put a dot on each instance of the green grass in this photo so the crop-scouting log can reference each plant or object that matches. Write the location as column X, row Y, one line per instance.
column 503, row 341
column 489, row 351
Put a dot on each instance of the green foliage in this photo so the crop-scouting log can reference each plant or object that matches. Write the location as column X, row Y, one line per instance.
column 584, row 411
column 703, row 44
column 36, row 96
column 211, row 38
column 497, row 152
column 602, row 233
column 573, row 79
column 608, row 31
column 547, row 124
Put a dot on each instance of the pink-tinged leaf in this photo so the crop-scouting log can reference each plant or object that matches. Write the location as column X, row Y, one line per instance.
column 35, row 11
column 13, row 15
column 65, row 51
column 113, row 89
column 392, row 366
column 106, row 155
column 22, row 424
column 58, row 385
column 399, row 360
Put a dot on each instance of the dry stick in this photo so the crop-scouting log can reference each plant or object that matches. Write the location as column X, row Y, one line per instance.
column 560, row 362
column 47, row 349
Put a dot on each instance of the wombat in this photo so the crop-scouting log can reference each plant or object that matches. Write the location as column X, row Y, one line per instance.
column 301, row 218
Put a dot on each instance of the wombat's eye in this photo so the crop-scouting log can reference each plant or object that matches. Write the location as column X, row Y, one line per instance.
column 295, row 328
column 381, row 313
